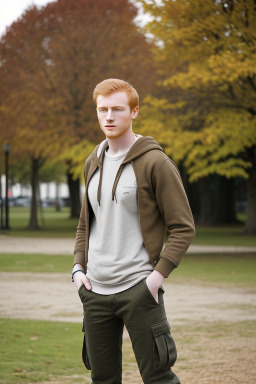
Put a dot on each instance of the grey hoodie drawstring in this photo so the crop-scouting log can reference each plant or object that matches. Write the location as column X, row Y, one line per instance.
column 137, row 150
column 99, row 185
column 100, row 165
column 120, row 170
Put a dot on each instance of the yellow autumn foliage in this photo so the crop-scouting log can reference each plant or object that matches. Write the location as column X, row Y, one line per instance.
column 205, row 114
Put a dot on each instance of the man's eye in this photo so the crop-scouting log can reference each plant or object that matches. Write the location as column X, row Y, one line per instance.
column 117, row 109
column 102, row 110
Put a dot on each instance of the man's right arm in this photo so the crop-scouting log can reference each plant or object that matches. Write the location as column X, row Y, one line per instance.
column 78, row 272
column 79, row 250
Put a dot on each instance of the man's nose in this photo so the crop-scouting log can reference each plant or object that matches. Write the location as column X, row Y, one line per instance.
column 110, row 115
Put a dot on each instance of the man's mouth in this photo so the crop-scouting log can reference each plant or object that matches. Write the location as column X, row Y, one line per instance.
column 110, row 126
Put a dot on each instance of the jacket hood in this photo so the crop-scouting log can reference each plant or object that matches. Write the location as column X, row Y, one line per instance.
column 142, row 145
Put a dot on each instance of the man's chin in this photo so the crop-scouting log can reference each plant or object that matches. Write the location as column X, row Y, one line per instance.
column 112, row 135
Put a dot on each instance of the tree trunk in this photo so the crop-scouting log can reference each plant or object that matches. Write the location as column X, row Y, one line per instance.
column 224, row 208
column 250, row 226
column 57, row 196
column 39, row 204
column 193, row 191
column 206, row 211
column 1, row 206
column 74, row 194
column 33, row 221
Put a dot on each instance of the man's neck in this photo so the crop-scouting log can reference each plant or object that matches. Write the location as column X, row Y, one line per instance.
column 122, row 144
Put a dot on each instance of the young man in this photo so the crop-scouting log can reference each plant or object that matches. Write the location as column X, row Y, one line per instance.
column 133, row 194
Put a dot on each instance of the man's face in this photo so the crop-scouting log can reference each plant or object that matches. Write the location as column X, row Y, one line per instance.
column 114, row 114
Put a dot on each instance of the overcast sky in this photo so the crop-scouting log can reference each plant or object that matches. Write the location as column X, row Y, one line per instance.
column 10, row 10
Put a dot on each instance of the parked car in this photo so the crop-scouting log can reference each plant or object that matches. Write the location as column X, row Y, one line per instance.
column 11, row 201
column 47, row 202
column 22, row 201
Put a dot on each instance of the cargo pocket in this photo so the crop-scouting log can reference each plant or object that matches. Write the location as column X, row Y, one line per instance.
column 164, row 348
column 85, row 352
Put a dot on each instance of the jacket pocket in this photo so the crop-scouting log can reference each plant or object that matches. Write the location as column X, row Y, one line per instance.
column 164, row 348
column 85, row 356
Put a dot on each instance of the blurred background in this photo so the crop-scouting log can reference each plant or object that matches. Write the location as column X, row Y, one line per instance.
column 193, row 64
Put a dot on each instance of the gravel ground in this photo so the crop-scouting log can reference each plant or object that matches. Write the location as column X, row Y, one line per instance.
column 199, row 315
column 40, row 296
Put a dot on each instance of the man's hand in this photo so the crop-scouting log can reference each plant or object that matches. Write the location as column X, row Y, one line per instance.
column 80, row 278
column 154, row 282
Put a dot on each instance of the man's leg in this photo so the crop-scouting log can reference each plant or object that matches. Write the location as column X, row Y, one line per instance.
column 103, row 337
column 149, row 330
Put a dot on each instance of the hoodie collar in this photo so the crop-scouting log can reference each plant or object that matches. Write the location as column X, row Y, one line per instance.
column 143, row 145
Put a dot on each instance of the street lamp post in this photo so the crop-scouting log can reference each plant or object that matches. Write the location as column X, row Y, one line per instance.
column 6, row 149
column 1, row 207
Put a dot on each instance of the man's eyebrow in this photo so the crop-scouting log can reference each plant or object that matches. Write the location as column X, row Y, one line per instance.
column 116, row 106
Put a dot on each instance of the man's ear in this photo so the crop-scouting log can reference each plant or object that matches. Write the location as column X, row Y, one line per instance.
column 135, row 112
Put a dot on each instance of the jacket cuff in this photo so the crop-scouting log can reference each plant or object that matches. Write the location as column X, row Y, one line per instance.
column 79, row 258
column 164, row 266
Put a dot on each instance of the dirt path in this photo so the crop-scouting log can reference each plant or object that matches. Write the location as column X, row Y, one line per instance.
column 40, row 296
column 66, row 246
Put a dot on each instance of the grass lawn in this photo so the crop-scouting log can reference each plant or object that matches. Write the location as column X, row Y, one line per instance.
column 216, row 268
column 35, row 263
column 59, row 225
column 52, row 223
column 223, row 236
column 37, row 351
column 32, row 351
column 209, row 269
column 221, row 268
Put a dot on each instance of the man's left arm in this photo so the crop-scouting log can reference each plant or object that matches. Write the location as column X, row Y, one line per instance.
column 174, row 207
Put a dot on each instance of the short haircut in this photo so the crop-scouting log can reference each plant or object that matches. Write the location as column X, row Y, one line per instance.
column 109, row 86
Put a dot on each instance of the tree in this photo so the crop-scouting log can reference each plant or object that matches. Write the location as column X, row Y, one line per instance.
column 206, row 54
column 51, row 59
column 27, row 121
column 90, row 41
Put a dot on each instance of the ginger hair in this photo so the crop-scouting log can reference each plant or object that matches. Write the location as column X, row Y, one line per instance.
column 109, row 86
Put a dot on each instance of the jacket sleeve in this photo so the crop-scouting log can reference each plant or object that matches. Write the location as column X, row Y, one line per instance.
column 79, row 250
column 174, row 207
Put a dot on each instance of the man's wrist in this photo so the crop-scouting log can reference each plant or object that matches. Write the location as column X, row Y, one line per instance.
column 73, row 273
column 158, row 277
column 77, row 267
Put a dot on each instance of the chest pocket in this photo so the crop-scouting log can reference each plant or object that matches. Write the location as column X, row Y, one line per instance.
column 126, row 190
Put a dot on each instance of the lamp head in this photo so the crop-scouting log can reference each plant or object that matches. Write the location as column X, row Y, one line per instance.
column 6, row 148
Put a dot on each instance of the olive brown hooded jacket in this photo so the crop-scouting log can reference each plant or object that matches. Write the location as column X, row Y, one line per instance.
column 162, row 204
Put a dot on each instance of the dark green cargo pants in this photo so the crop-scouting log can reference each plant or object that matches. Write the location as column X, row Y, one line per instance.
column 148, row 328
